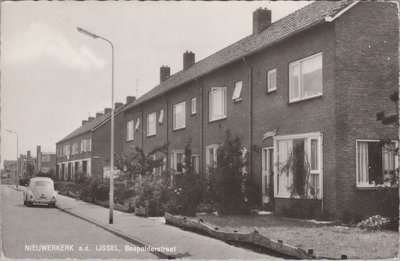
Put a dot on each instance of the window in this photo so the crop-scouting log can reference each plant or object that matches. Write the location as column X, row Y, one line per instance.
column 196, row 163
column 137, row 127
column 129, row 130
column 211, row 155
column 299, row 150
column 237, row 92
column 193, row 106
column 75, row 148
column 46, row 158
column 151, row 124
column 374, row 162
column 66, row 150
column 86, row 145
column 177, row 160
column 305, row 78
column 217, row 104
column 161, row 117
column 179, row 116
column 271, row 80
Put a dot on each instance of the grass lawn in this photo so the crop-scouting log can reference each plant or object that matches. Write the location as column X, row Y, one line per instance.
column 325, row 240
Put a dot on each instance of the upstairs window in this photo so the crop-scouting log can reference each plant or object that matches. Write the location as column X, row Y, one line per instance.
column 217, row 103
column 137, row 127
column 161, row 117
column 375, row 162
column 179, row 116
column 237, row 92
column 305, row 78
column 193, row 106
column 151, row 124
column 75, row 148
column 129, row 130
column 271, row 80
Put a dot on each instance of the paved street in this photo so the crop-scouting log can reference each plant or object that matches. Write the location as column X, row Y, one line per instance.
column 36, row 227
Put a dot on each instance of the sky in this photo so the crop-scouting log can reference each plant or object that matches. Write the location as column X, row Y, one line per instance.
column 53, row 77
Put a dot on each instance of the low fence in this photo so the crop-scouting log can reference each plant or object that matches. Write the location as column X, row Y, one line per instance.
column 254, row 238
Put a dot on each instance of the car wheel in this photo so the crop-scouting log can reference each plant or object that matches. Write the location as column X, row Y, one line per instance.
column 29, row 204
column 52, row 205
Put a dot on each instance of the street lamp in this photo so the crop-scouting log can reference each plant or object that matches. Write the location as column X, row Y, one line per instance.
column 95, row 36
column 17, row 174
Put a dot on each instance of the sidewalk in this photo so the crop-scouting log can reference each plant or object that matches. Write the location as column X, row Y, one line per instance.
column 148, row 232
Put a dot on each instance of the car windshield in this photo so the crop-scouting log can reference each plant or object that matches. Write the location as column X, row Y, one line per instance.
column 42, row 184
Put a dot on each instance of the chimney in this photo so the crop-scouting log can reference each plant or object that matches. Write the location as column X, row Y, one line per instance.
column 261, row 20
column 98, row 114
column 107, row 110
column 83, row 122
column 118, row 104
column 188, row 60
column 130, row 99
column 165, row 72
column 90, row 118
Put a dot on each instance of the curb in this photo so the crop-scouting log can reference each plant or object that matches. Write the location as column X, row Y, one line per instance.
column 120, row 234
column 250, row 238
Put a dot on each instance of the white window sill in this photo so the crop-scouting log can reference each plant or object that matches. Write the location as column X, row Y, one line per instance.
column 271, row 90
column 219, row 119
column 373, row 187
column 305, row 99
column 237, row 100
column 181, row 128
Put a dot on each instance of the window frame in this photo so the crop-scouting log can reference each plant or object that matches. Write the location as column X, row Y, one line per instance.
column 193, row 106
column 239, row 96
column 130, row 125
column 153, row 133
column 214, row 147
column 174, row 127
column 300, row 87
column 210, row 103
column 269, row 73
column 161, row 117
column 396, row 163
column 174, row 161
column 137, row 125
column 308, row 137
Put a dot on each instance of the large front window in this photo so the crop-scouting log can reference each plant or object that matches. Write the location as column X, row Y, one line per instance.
column 151, row 124
column 305, row 78
column 217, row 104
column 211, row 155
column 299, row 165
column 179, row 116
column 375, row 162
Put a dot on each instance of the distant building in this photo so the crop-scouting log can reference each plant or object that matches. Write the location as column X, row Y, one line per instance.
column 10, row 168
column 45, row 161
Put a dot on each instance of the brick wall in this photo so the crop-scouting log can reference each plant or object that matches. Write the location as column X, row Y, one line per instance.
column 366, row 74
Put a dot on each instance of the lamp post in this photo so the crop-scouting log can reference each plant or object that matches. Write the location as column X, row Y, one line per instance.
column 95, row 36
column 17, row 172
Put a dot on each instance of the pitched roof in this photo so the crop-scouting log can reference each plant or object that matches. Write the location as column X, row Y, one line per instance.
column 300, row 20
column 88, row 126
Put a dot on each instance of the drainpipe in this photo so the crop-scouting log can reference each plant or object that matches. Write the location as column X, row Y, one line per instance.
column 166, row 130
column 250, row 116
column 141, row 122
column 201, row 124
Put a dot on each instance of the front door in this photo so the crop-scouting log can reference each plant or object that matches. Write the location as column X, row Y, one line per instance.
column 267, row 174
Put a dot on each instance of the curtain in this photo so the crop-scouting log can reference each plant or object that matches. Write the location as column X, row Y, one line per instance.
column 285, row 147
column 363, row 173
column 388, row 157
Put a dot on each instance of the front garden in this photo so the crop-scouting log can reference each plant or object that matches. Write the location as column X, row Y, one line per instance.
column 144, row 186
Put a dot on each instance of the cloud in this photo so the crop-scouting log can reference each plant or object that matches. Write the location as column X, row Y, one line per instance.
column 42, row 41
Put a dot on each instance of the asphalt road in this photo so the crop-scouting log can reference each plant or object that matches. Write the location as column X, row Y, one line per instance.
column 27, row 232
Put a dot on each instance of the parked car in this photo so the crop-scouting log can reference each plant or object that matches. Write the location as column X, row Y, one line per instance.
column 40, row 191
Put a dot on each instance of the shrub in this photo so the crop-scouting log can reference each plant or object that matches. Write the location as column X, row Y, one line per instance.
column 227, row 178
column 376, row 222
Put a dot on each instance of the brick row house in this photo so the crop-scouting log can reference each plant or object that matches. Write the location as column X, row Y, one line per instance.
column 311, row 82
column 87, row 149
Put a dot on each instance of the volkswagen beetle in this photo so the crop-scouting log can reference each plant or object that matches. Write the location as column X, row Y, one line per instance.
column 40, row 191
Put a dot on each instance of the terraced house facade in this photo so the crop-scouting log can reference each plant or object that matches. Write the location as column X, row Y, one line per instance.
column 311, row 82
column 87, row 149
